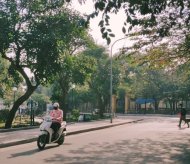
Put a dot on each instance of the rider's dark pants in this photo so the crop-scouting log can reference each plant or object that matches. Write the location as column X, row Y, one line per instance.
column 55, row 126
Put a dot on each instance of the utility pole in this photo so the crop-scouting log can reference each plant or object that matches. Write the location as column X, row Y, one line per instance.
column 111, row 111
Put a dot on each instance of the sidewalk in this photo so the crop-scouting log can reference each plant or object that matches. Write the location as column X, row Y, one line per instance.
column 26, row 136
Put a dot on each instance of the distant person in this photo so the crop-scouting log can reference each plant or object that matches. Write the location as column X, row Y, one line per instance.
column 183, row 115
column 58, row 116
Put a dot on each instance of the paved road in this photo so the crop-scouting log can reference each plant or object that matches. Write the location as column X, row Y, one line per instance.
column 14, row 136
column 157, row 140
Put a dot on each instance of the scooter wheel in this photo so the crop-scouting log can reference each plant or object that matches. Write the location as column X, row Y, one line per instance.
column 41, row 142
column 61, row 140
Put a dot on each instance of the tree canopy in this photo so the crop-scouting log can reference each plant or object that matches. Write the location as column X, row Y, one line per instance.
column 155, row 25
column 99, row 82
column 30, row 33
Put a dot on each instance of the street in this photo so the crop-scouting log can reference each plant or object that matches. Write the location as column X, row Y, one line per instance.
column 154, row 140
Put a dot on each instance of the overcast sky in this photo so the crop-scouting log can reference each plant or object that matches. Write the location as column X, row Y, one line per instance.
column 116, row 24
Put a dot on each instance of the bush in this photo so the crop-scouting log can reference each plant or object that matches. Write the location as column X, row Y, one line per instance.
column 38, row 112
column 76, row 114
column 95, row 117
column 3, row 115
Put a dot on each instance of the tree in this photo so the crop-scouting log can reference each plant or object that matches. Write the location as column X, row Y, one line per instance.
column 152, row 23
column 160, row 84
column 7, row 81
column 81, row 94
column 75, row 70
column 140, row 13
column 41, row 98
column 100, row 78
column 8, row 98
column 163, row 35
column 31, row 31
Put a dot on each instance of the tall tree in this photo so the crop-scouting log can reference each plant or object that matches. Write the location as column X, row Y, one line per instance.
column 31, row 32
column 74, row 66
column 74, row 70
column 100, row 78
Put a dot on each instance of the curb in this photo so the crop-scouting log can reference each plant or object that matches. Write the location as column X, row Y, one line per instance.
column 101, row 127
column 34, row 127
column 68, row 134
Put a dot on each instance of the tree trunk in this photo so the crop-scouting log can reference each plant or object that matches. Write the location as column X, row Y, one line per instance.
column 170, row 103
column 101, row 106
column 16, row 105
column 186, row 104
column 156, row 104
column 173, row 107
column 105, row 105
column 64, row 107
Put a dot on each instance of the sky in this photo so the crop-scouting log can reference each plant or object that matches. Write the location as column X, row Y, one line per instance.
column 116, row 24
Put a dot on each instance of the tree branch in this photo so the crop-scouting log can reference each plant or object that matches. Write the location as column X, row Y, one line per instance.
column 18, row 68
column 27, row 66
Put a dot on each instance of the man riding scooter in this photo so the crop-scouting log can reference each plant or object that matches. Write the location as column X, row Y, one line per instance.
column 57, row 114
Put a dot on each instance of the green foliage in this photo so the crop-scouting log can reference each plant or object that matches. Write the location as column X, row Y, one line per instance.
column 81, row 94
column 160, row 84
column 41, row 98
column 75, row 67
column 9, row 95
column 4, row 114
column 156, row 22
column 94, row 117
column 35, row 33
column 37, row 38
column 100, row 78
column 75, row 114
column 7, row 80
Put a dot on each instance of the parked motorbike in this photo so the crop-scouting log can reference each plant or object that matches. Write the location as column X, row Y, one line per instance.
column 46, row 135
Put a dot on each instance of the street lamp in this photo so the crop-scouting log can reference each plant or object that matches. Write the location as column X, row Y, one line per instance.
column 73, row 87
column 111, row 112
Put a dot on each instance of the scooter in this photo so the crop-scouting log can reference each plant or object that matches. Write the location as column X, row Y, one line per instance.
column 46, row 135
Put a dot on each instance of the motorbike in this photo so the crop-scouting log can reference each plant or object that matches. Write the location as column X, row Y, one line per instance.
column 46, row 135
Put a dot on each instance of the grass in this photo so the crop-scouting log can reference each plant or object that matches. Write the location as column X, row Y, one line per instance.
column 14, row 125
column 2, row 125
column 17, row 123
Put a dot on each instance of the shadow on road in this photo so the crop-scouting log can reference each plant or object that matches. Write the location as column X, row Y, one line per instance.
column 32, row 152
column 136, row 151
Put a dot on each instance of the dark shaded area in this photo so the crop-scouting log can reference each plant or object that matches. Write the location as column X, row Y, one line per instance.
column 32, row 152
column 139, row 151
